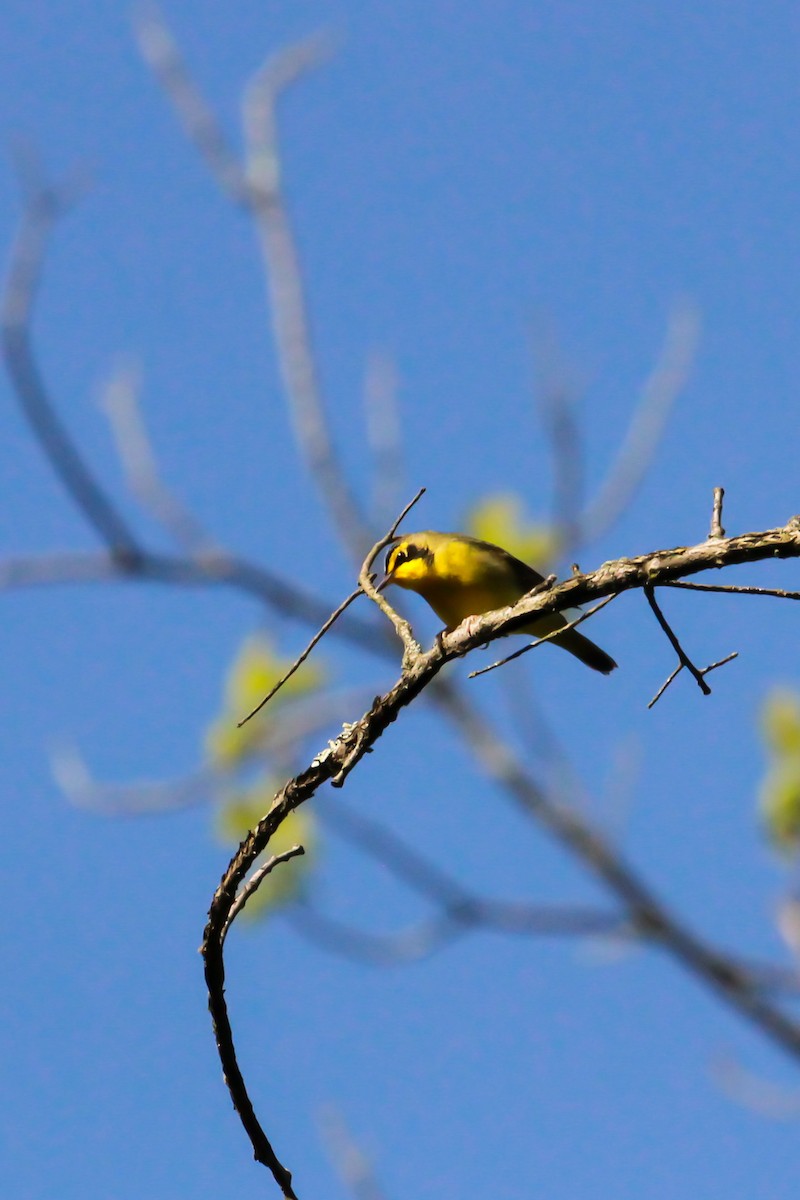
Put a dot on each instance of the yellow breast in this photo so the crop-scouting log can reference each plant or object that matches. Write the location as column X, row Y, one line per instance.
column 466, row 581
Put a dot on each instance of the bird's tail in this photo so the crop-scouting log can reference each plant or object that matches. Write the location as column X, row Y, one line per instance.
column 586, row 651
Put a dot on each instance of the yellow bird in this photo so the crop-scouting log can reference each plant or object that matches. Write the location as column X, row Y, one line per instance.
column 460, row 576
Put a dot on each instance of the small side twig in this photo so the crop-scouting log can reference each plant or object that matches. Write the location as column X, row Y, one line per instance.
column 555, row 395
column 162, row 54
column 548, row 637
column 365, row 587
column 685, row 661
column 705, row 671
column 355, row 1169
column 251, row 885
column 737, row 589
column 411, row 648
column 301, row 658
column 716, row 530
column 119, row 400
column 384, row 434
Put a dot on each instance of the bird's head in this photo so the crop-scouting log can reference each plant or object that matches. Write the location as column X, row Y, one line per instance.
column 409, row 562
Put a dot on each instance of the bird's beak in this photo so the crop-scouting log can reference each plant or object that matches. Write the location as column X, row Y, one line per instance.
column 384, row 583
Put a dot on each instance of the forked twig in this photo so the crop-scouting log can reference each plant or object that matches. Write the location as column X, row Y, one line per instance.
column 685, row 661
column 705, row 671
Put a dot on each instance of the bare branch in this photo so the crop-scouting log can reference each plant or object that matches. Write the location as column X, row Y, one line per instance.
column 401, row 947
column 256, row 185
column 218, row 569
column 647, row 914
column 42, row 208
column 47, row 570
column 76, row 781
column 278, row 742
column 291, row 325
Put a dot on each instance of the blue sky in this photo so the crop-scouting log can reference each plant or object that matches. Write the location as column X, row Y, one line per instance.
column 456, row 178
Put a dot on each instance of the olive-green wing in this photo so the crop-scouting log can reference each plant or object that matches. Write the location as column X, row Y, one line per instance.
column 527, row 577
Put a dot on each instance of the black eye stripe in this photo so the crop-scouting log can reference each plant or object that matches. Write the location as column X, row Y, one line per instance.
column 404, row 554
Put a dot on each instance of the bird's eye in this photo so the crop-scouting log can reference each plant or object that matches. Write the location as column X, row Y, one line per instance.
column 402, row 554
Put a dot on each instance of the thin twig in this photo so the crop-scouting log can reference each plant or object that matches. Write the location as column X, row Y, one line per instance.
column 557, row 412
column 716, row 530
column 253, row 883
column 424, row 938
column 411, row 648
column 662, row 388
column 301, row 658
column 291, row 324
column 384, row 435
column 461, row 908
column 674, row 675
column 760, row 1095
column 419, row 871
column 162, row 53
column 548, row 637
column 736, row 589
column 360, row 590
column 356, row 1170
column 685, row 661
column 119, row 400
column 714, row 968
